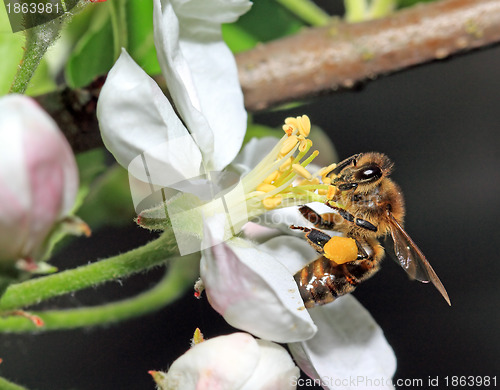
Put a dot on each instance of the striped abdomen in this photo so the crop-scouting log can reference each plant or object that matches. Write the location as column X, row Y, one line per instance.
column 324, row 280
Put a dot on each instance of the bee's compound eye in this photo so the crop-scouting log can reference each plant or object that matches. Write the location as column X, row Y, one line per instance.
column 370, row 173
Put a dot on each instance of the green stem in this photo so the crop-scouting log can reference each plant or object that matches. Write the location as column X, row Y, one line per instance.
column 36, row 290
column 381, row 8
column 38, row 39
column 307, row 11
column 179, row 277
column 355, row 10
column 6, row 385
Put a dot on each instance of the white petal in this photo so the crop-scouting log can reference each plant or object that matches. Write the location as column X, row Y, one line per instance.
column 210, row 11
column 221, row 363
column 141, row 129
column 275, row 369
column 254, row 292
column 294, row 253
column 349, row 346
column 202, row 78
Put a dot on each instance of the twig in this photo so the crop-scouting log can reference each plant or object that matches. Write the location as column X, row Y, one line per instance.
column 342, row 54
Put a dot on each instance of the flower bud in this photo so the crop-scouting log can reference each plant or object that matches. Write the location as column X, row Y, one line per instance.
column 38, row 179
column 236, row 361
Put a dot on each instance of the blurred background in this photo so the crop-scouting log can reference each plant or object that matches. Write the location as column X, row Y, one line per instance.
column 439, row 123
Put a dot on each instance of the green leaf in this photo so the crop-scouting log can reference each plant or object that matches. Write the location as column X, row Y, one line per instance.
column 409, row 3
column 267, row 20
column 109, row 201
column 93, row 54
column 140, row 35
column 255, row 130
column 237, row 38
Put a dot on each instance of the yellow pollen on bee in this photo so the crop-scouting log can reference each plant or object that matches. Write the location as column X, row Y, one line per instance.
column 331, row 192
column 264, row 187
column 341, row 249
column 289, row 144
column 271, row 202
column 300, row 170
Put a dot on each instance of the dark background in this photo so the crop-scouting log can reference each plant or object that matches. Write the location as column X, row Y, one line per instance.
column 439, row 123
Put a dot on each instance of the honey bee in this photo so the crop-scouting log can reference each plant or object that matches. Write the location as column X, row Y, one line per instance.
column 368, row 205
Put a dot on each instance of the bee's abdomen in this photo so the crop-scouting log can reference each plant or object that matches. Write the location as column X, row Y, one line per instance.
column 324, row 280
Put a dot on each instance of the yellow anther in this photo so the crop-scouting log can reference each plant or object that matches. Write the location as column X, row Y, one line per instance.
column 322, row 192
column 314, row 181
column 288, row 129
column 326, row 170
column 289, row 144
column 272, row 202
column 305, row 144
column 326, row 180
column 272, row 177
column 300, row 170
column 286, row 164
column 304, row 125
column 264, row 187
column 331, row 192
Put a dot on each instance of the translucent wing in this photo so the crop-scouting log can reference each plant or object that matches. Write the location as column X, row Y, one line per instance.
column 411, row 258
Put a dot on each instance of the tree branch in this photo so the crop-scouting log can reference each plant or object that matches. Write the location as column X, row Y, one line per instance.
column 328, row 58
column 322, row 59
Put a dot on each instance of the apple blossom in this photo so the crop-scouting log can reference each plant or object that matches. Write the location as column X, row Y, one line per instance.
column 38, row 180
column 233, row 362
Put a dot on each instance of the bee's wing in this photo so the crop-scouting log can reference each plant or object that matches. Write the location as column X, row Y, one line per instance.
column 411, row 258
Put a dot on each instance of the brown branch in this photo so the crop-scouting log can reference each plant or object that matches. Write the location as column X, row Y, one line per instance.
column 342, row 54
column 322, row 59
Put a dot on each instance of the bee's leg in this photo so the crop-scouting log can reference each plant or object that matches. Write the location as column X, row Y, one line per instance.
column 362, row 255
column 316, row 238
column 351, row 218
column 315, row 218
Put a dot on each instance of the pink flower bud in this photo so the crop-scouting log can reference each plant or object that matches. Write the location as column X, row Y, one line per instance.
column 38, row 178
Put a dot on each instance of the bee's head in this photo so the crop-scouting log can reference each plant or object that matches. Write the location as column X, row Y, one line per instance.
column 363, row 172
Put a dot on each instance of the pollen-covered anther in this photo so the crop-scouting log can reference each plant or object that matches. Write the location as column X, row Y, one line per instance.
column 304, row 145
column 331, row 192
column 289, row 144
column 302, row 123
column 300, row 170
column 264, row 187
column 272, row 177
column 272, row 202
column 288, row 129
column 326, row 180
column 286, row 164
column 323, row 172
